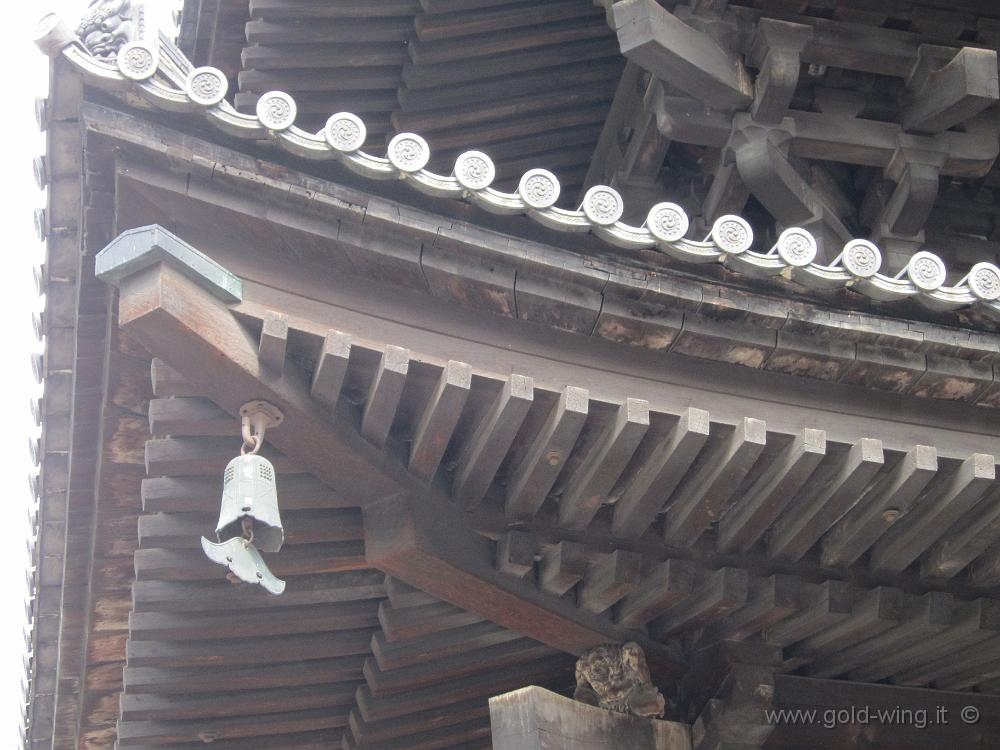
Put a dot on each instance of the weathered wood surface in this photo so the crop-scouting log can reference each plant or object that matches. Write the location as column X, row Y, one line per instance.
column 535, row 719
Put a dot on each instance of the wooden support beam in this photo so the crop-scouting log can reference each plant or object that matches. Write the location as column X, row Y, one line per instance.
column 922, row 618
column 701, row 499
column 449, row 666
column 609, row 580
column 965, row 541
column 971, row 623
column 515, row 554
column 833, row 492
column 533, row 478
column 736, row 719
column 228, row 705
column 212, row 596
column 420, row 621
column 402, row 595
column 424, row 542
column 260, row 651
column 331, row 368
column 273, row 342
column 776, row 52
column 659, row 475
column 954, row 665
column 889, row 500
column 190, row 417
column 478, row 465
column 660, row 42
column 594, row 479
column 753, row 514
column 562, row 567
column 384, row 394
column 181, row 530
column 438, row 421
column 535, row 719
column 201, row 494
column 876, row 611
column 916, row 191
column 825, row 605
column 191, row 328
column 667, row 584
column 138, row 734
column 168, row 382
column 199, row 681
column 923, row 525
column 181, row 565
column 769, row 601
column 765, row 168
column 947, row 95
column 985, row 572
column 481, row 685
column 466, row 638
column 189, row 626
column 720, row 594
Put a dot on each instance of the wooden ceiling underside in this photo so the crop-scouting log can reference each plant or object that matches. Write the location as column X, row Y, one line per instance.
column 345, row 656
column 206, row 660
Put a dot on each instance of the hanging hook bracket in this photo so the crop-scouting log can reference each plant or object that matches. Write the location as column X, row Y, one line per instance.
column 255, row 418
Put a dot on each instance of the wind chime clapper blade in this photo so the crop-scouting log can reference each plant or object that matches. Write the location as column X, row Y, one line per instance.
column 244, row 562
column 249, row 512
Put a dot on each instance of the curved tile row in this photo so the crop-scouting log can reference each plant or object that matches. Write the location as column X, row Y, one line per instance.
column 793, row 255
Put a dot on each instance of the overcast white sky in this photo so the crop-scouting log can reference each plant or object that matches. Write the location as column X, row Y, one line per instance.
column 26, row 78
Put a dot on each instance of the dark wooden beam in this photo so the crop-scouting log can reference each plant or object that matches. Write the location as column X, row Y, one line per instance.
column 438, row 421
column 702, row 498
column 666, row 585
column 273, row 342
column 922, row 526
column 753, row 514
column 889, row 500
column 659, row 475
column 971, row 623
column 946, row 94
column 384, row 394
column 777, row 54
column 191, row 329
column 493, row 437
column 594, row 479
column 834, row 492
column 670, row 49
column 922, row 617
column 969, row 538
column 533, row 478
column 331, row 368
column 424, row 542
column 535, row 719
column 515, row 554
column 608, row 580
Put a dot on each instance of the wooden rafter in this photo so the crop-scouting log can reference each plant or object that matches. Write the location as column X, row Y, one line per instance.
column 193, row 330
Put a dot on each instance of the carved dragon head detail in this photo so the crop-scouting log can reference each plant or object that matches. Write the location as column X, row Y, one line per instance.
column 110, row 24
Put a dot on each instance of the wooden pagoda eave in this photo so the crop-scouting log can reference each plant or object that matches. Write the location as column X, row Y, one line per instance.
column 193, row 330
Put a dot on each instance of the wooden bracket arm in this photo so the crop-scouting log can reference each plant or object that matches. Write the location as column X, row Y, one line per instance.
column 172, row 299
column 777, row 52
column 944, row 96
column 428, row 543
column 670, row 49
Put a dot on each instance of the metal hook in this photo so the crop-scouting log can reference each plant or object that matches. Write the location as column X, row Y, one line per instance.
column 255, row 418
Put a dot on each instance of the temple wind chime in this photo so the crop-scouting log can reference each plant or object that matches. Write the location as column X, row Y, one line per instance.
column 250, row 521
